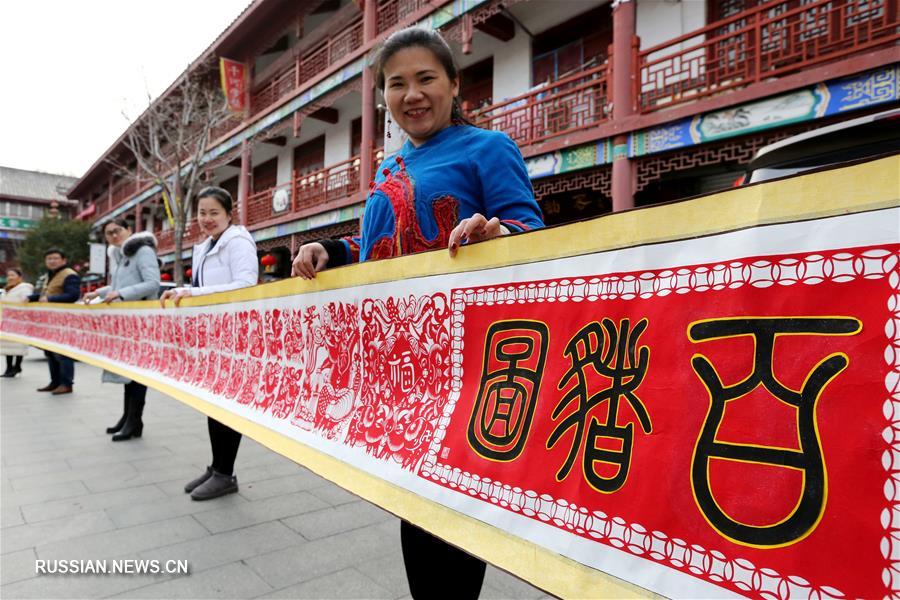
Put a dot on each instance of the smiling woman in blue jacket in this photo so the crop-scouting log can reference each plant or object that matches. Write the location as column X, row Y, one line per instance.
column 450, row 184
column 225, row 261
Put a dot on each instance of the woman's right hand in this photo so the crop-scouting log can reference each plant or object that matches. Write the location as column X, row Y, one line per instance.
column 88, row 297
column 177, row 294
column 311, row 259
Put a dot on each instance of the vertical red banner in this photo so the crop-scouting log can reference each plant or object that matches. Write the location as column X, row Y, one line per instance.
column 234, row 83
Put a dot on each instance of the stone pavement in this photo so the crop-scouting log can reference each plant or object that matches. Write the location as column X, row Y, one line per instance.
column 68, row 492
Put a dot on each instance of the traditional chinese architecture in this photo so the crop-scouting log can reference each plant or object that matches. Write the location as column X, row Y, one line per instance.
column 25, row 198
column 613, row 104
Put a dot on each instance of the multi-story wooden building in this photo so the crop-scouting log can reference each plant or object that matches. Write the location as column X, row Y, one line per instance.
column 613, row 104
column 25, row 198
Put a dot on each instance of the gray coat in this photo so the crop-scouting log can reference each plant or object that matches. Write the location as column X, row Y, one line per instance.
column 134, row 273
column 134, row 269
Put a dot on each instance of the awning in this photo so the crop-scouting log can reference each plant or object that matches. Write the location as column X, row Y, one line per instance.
column 87, row 212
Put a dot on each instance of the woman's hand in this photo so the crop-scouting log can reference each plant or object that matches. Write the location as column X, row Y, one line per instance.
column 110, row 296
column 311, row 259
column 86, row 299
column 175, row 294
column 474, row 229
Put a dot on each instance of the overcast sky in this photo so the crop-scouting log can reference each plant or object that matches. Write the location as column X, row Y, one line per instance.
column 71, row 67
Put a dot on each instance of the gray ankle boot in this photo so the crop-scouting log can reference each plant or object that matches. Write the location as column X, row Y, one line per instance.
column 217, row 485
column 193, row 484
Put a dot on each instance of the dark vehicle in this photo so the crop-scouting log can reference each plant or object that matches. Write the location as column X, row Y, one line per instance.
column 857, row 139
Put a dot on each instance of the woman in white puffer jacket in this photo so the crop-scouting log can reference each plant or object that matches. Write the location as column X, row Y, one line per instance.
column 225, row 261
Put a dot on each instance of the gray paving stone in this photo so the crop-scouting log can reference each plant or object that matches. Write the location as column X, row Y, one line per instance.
column 171, row 506
column 58, row 508
column 125, row 543
column 388, row 572
column 234, row 580
column 30, row 535
column 510, row 585
column 333, row 495
column 262, row 472
column 348, row 583
column 66, row 489
column 135, row 451
column 17, row 566
column 30, row 458
column 491, row 593
column 302, row 481
column 46, row 467
column 346, row 517
column 320, row 557
column 223, row 548
column 261, row 511
column 10, row 516
column 37, row 481
column 164, row 471
column 77, row 586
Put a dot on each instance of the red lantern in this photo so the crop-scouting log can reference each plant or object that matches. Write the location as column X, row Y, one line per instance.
column 189, row 273
column 165, row 276
column 269, row 260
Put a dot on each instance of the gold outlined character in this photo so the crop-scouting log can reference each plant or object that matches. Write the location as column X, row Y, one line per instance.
column 765, row 330
column 507, row 396
column 612, row 352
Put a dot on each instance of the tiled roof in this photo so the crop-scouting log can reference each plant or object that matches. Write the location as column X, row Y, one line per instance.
column 34, row 184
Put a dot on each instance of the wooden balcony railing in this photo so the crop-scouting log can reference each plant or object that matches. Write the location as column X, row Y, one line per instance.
column 306, row 66
column 330, row 51
column 122, row 192
column 771, row 40
column 306, row 191
column 274, row 89
column 326, row 185
column 166, row 239
column 392, row 12
column 575, row 102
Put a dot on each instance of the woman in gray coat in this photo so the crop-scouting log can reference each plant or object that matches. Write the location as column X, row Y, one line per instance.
column 133, row 275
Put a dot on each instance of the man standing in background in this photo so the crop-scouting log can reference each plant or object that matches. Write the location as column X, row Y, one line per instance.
column 63, row 285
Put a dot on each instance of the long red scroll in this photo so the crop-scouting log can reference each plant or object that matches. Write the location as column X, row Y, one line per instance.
column 702, row 417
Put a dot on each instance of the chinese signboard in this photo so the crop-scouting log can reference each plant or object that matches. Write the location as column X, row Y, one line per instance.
column 16, row 223
column 234, row 83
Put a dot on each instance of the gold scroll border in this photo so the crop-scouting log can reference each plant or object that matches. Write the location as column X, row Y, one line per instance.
column 858, row 188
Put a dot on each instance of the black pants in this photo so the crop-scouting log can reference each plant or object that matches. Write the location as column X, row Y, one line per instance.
column 13, row 362
column 224, row 441
column 62, row 369
column 136, row 391
column 435, row 569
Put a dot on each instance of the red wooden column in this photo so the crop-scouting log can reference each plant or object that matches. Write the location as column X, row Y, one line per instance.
column 244, row 182
column 367, row 147
column 623, row 73
column 138, row 210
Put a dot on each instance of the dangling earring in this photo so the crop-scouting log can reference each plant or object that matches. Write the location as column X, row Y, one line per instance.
column 389, row 124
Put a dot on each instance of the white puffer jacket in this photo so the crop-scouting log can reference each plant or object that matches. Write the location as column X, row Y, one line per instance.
column 230, row 265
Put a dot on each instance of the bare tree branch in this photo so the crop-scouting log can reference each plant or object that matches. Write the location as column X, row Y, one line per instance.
column 169, row 140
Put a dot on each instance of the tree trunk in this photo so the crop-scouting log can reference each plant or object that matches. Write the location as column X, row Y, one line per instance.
column 179, row 240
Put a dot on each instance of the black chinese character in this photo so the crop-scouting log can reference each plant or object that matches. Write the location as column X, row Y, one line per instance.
column 612, row 353
column 807, row 459
column 514, row 356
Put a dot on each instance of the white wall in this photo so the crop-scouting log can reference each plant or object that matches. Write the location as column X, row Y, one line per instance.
column 337, row 140
column 661, row 20
column 512, row 67
column 285, row 165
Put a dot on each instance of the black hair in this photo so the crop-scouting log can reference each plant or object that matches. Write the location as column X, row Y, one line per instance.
column 15, row 270
column 423, row 38
column 55, row 251
column 121, row 222
column 221, row 195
